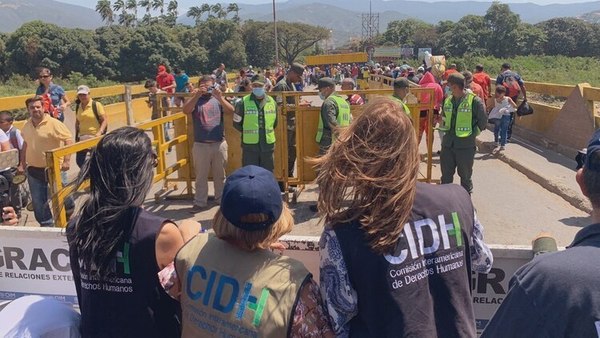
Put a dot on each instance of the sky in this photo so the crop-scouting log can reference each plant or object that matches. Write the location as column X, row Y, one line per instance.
column 91, row 3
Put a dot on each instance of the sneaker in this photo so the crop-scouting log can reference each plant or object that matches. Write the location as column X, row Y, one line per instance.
column 197, row 208
column 502, row 148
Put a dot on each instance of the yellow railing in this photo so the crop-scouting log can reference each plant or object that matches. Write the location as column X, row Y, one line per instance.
column 163, row 169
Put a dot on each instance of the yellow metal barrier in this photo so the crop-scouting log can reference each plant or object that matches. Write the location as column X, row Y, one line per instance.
column 307, row 119
column 163, row 169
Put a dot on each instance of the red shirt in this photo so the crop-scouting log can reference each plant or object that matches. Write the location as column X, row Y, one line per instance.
column 477, row 90
column 164, row 80
column 483, row 79
column 447, row 73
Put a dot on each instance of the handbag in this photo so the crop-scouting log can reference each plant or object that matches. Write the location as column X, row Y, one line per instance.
column 524, row 109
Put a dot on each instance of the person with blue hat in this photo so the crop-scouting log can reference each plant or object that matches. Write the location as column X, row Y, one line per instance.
column 231, row 282
column 557, row 294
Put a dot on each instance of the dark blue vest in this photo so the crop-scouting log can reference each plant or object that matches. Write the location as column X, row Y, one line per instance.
column 131, row 303
column 422, row 289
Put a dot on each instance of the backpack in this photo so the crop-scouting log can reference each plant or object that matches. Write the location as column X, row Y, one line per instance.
column 95, row 110
column 511, row 84
column 49, row 108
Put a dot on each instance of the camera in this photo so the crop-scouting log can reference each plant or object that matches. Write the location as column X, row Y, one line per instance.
column 211, row 88
column 11, row 194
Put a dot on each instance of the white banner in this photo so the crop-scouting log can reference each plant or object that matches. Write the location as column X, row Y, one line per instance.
column 35, row 261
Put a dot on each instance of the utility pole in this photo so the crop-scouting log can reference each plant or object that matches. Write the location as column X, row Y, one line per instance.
column 276, row 40
column 370, row 29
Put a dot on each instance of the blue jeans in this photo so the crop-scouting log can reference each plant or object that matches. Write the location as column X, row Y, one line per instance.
column 503, row 128
column 40, row 200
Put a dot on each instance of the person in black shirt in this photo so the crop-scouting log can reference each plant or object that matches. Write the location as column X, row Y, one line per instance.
column 117, row 248
column 557, row 294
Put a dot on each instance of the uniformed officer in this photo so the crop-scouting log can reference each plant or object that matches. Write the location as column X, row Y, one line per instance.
column 463, row 118
column 286, row 84
column 401, row 90
column 256, row 118
column 335, row 113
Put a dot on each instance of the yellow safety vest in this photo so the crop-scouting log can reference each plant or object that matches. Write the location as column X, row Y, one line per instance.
column 464, row 116
column 343, row 115
column 251, row 127
column 403, row 104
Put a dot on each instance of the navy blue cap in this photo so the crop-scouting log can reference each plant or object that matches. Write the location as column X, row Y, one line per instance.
column 591, row 161
column 251, row 190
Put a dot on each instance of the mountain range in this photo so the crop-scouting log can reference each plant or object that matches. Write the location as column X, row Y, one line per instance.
column 342, row 17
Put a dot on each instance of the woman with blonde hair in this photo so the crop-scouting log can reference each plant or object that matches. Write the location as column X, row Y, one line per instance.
column 232, row 284
column 396, row 255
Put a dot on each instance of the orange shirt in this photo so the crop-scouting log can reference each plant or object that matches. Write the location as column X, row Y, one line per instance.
column 447, row 73
column 477, row 90
column 483, row 79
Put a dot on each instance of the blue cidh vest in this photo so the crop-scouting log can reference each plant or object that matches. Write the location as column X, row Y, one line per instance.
column 423, row 288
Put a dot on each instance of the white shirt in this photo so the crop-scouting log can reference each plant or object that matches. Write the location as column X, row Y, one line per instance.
column 38, row 317
column 500, row 109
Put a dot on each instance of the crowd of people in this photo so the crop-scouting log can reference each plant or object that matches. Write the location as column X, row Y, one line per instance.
column 396, row 255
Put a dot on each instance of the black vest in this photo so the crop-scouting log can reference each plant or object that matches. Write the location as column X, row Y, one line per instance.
column 131, row 303
column 424, row 288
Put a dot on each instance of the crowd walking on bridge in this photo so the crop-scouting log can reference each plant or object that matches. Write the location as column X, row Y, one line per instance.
column 396, row 255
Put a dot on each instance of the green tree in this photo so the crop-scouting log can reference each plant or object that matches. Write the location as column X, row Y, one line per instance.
column 530, row 40
column 502, row 24
column 260, row 43
column 159, row 5
column 234, row 8
column 295, row 38
column 410, row 32
column 132, row 5
column 467, row 36
column 570, row 37
column 103, row 7
column 223, row 40
column 218, row 11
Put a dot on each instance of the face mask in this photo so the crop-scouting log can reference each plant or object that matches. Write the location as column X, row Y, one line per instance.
column 258, row 92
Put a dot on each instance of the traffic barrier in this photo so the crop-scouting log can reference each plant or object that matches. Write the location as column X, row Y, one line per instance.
column 36, row 261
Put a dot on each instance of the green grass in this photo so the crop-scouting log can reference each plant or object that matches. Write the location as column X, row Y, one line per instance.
column 24, row 85
column 549, row 69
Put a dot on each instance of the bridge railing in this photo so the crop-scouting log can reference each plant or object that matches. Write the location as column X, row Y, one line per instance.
column 128, row 103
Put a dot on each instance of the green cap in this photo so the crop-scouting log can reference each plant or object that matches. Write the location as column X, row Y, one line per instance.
column 456, row 78
column 297, row 68
column 325, row 83
column 401, row 82
column 258, row 78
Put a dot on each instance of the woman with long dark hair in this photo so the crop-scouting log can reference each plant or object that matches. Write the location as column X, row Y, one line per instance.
column 117, row 248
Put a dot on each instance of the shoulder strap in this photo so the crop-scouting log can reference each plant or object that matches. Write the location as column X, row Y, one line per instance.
column 95, row 110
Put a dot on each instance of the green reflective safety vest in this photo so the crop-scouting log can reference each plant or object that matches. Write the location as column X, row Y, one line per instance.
column 251, row 127
column 343, row 115
column 464, row 116
column 406, row 110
